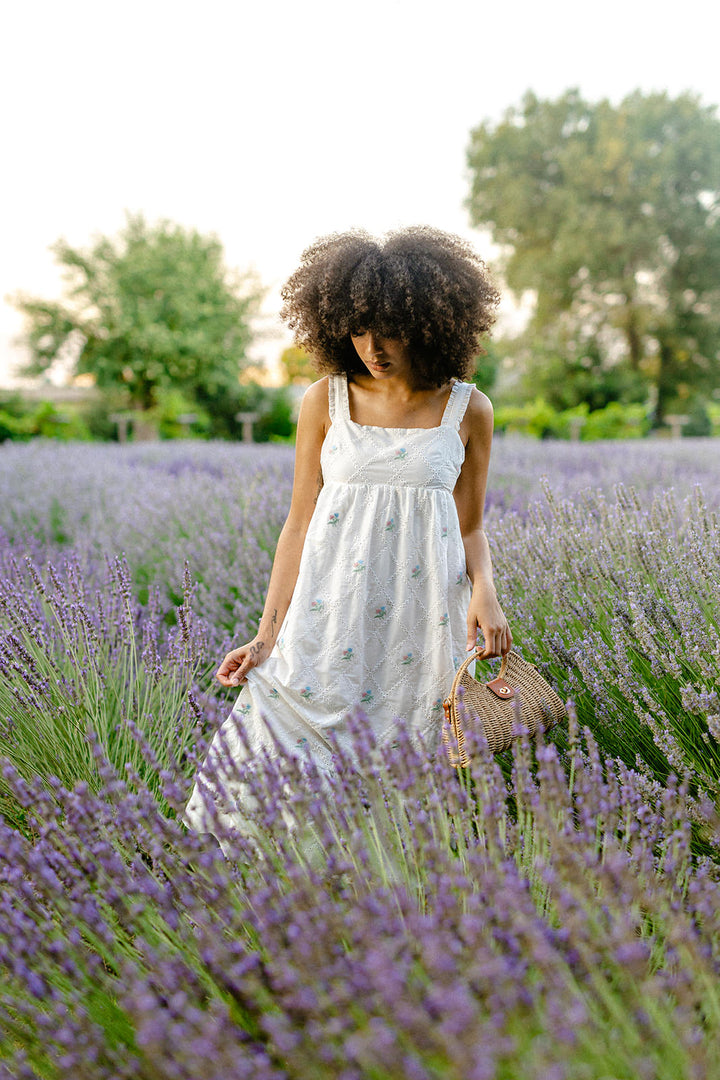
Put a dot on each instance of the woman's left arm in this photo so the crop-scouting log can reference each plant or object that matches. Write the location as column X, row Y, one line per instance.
column 484, row 613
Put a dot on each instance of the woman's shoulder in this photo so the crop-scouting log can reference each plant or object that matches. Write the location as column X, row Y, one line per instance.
column 315, row 404
column 317, row 391
column 479, row 404
column 478, row 418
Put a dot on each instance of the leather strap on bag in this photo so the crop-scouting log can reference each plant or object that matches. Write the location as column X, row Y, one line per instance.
column 498, row 685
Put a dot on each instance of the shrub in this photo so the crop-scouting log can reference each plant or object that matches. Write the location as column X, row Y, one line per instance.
column 552, row 914
column 24, row 420
column 539, row 419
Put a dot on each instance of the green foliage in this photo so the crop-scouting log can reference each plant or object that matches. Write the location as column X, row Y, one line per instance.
column 276, row 422
column 616, row 421
column 699, row 422
column 539, row 419
column 568, row 378
column 27, row 420
column 536, row 418
column 156, row 308
column 486, row 365
column 180, row 417
column 106, row 681
column 610, row 214
column 298, row 365
column 274, row 405
column 175, row 415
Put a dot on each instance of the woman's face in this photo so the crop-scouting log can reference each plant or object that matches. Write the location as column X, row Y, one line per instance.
column 382, row 356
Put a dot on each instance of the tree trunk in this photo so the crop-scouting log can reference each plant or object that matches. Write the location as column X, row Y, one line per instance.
column 663, row 383
column 634, row 338
column 629, row 322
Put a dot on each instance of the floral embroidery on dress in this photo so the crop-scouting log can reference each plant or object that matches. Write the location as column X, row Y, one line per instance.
column 358, row 566
column 445, row 619
column 393, row 492
column 244, row 710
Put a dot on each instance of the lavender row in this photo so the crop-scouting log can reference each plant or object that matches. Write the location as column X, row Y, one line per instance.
column 551, row 924
column 219, row 507
column 619, row 604
column 393, row 923
column 611, row 589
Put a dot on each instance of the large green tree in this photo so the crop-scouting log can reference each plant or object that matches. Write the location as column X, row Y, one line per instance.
column 156, row 308
column 611, row 215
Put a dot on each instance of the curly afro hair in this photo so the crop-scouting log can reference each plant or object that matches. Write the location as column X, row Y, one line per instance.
column 426, row 287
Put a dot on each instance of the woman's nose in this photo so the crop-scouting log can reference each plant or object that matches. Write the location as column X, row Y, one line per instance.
column 372, row 344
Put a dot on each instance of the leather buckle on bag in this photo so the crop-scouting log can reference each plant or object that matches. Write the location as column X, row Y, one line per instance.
column 501, row 689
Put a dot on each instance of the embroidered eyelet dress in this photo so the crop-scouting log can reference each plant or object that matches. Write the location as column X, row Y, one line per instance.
column 378, row 614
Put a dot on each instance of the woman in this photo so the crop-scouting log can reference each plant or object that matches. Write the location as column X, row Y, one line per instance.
column 382, row 577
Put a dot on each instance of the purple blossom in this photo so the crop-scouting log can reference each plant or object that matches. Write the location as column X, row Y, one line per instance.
column 553, row 912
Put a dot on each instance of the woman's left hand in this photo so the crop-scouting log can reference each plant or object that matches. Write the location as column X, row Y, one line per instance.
column 486, row 616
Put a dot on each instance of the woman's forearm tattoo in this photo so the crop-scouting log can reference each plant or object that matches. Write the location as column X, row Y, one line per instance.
column 273, row 622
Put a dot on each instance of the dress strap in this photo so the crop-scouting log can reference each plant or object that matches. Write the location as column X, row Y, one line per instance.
column 457, row 403
column 331, row 397
column 334, row 397
column 338, row 400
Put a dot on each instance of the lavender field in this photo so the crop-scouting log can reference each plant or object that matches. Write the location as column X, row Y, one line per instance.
column 556, row 915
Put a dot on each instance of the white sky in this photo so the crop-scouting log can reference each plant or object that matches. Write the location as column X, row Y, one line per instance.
column 273, row 122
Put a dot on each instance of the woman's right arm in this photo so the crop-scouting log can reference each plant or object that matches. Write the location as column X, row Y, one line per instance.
column 313, row 423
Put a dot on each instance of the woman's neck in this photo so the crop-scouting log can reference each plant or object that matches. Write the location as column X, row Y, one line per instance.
column 393, row 402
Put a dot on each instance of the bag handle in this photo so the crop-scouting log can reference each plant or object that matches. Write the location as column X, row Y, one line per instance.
column 451, row 717
column 475, row 655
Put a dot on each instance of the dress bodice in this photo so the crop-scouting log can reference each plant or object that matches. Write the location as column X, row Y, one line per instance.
column 400, row 457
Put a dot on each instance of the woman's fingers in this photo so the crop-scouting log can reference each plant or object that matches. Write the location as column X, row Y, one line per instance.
column 495, row 641
column 231, row 661
column 230, row 672
column 235, row 666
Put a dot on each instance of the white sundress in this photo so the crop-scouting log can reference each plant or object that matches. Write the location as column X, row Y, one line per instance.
column 378, row 614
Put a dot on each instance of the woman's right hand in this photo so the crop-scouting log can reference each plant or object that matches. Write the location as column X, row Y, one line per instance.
column 235, row 666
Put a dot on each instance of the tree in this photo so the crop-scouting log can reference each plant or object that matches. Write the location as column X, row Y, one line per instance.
column 156, row 309
column 486, row 366
column 298, row 366
column 611, row 214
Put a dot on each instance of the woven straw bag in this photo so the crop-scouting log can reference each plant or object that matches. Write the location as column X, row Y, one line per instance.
column 495, row 703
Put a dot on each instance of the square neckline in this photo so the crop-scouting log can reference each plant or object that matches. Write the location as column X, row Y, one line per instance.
column 380, row 427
